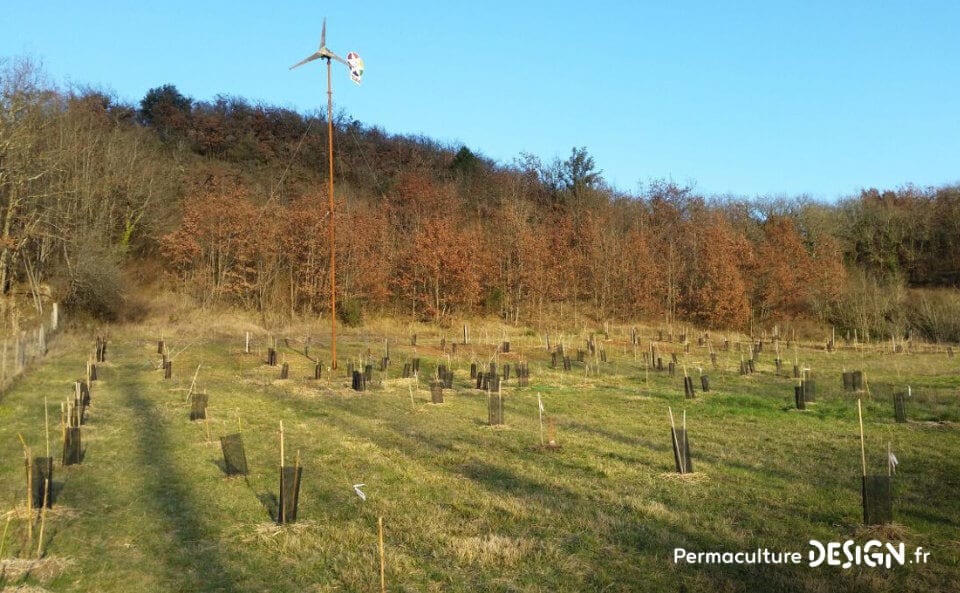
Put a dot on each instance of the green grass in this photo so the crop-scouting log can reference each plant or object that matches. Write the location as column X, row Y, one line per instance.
column 468, row 507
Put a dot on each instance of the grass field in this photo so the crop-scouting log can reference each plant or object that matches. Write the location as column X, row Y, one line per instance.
column 466, row 506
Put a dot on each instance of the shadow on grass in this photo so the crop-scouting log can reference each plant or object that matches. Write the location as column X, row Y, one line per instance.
column 270, row 502
column 619, row 438
column 267, row 499
column 623, row 542
column 501, row 479
column 194, row 565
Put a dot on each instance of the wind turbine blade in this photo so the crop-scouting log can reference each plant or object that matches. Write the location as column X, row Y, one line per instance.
column 305, row 60
column 323, row 34
column 338, row 58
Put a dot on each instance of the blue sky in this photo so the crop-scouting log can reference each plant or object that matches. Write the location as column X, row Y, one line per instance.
column 747, row 98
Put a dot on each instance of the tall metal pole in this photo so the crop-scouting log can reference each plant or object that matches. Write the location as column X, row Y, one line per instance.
column 333, row 256
column 356, row 71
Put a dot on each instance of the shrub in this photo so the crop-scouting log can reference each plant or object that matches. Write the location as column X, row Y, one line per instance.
column 935, row 314
column 94, row 283
column 350, row 312
column 493, row 301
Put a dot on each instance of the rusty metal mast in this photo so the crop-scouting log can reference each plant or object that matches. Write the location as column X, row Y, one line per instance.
column 328, row 55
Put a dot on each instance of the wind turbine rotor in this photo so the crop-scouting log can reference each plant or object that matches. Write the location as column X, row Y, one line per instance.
column 315, row 56
column 323, row 52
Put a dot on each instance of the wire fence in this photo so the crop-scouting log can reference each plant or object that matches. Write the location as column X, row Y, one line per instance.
column 20, row 351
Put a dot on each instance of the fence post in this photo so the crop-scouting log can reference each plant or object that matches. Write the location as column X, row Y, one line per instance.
column 16, row 356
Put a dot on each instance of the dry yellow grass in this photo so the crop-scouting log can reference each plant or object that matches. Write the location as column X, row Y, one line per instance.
column 466, row 506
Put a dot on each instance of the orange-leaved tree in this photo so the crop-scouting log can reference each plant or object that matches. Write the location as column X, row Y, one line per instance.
column 717, row 291
column 208, row 248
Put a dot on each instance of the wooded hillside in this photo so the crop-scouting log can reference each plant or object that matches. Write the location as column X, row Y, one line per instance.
column 228, row 200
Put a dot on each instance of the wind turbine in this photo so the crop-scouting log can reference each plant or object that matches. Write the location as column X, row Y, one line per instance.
column 355, row 64
column 323, row 52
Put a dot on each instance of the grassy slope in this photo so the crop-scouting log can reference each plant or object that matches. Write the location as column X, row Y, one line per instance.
column 470, row 507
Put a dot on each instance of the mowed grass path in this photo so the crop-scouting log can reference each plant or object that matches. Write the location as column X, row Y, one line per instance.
column 468, row 507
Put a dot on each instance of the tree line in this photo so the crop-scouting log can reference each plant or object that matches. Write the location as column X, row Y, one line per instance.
column 226, row 201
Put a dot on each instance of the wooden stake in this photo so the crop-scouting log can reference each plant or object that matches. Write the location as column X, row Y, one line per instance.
column 863, row 453
column 383, row 564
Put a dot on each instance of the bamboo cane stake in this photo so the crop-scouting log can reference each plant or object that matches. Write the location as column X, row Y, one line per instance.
column 206, row 423
column 29, row 461
column 46, row 424
column 383, row 564
column 3, row 540
column 281, row 444
column 673, row 430
column 179, row 352
column 889, row 464
column 863, row 452
column 540, row 413
column 684, row 452
column 500, row 401
column 194, row 382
